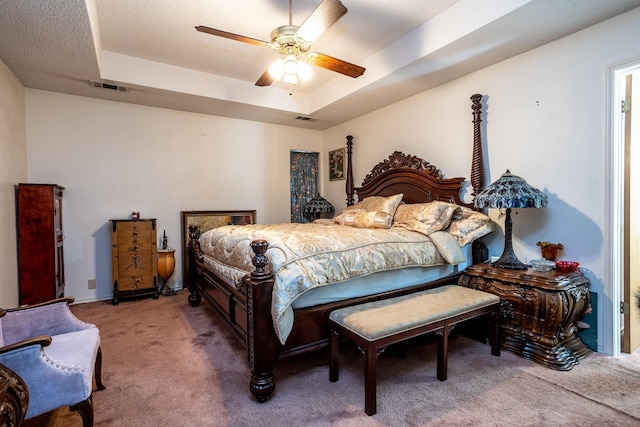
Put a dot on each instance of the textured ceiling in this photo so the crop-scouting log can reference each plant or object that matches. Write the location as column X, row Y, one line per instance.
column 152, row 48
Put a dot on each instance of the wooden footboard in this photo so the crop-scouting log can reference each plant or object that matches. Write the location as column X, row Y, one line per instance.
column 247, row 308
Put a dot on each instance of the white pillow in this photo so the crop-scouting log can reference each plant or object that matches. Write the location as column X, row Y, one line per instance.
column 448, row 247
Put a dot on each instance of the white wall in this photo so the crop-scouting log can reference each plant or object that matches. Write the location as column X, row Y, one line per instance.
column 544, row 119
column 115, row 158
column 13, row 169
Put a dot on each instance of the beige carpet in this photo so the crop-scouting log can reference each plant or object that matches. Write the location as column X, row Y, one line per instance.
column 168, row 364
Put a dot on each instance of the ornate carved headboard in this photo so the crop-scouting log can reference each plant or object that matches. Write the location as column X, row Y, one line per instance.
column 418, row 181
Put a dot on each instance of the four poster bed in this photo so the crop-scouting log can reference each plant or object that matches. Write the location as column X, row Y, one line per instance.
column 277, row 299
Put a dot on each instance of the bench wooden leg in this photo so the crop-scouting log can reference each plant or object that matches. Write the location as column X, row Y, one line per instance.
column 334, row 355
column 443, row 352
column 370, row 379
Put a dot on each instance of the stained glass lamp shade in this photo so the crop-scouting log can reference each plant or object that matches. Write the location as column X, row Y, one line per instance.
column 510, row 192
column 317, row 206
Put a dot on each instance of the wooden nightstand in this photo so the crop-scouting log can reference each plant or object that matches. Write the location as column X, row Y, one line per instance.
column 538, row 312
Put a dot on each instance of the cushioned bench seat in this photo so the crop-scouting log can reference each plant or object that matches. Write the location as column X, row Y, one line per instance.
column 375, row 325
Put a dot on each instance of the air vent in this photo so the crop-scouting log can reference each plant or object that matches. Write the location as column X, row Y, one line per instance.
column 108, row 86
column 306, row 119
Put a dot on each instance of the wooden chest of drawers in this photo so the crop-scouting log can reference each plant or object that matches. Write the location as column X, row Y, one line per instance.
column 134, row 258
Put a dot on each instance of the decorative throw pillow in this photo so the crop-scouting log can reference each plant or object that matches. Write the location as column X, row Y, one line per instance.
column 469, row 226
column 425, row 218
column 349, row 210
column 368, row 220
column 448, row 247
column 387, row 205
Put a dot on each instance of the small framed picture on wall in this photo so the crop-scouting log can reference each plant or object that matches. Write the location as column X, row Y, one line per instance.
column 336, row 164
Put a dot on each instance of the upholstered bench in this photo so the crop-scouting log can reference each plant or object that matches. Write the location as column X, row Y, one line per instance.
column 375, row 325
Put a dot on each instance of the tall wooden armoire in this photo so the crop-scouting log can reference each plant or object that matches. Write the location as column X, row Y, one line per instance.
column 40, row 237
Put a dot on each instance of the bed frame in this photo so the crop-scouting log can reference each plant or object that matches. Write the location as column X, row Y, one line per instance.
column 247, row 310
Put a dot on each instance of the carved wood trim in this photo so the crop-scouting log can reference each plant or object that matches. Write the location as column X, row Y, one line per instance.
column 349, row 184
column 262, row 344
column 477, row 162
column 398, row 160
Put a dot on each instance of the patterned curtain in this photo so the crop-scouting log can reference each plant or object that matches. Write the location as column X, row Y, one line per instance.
column 304, row 182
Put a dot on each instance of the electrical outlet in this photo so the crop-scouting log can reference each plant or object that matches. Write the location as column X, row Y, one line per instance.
column 92, row 283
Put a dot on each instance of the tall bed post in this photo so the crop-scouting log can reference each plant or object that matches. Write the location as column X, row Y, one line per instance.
column 350, row 188
column 477, row 163
column 262, row 343
column 479, row 251
column 193, row 248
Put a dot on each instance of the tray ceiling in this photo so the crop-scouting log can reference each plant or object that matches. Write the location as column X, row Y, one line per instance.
column 151, row 49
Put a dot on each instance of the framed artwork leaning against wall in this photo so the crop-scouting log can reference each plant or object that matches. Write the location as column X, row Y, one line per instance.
column 205, row 221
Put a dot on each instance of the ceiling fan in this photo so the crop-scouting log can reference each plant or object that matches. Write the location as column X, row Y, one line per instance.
column 292, row 42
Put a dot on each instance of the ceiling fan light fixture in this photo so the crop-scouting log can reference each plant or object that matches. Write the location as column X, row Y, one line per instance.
column 290, row 70
column 290, row 78
column 304, row 70
column 290, row 65
column 277, row 69
column 285, row 69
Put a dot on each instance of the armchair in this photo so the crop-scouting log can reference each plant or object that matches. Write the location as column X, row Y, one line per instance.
column 55, row 353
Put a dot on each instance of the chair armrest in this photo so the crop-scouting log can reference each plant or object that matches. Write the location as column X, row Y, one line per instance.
column 41, row 341
column 67, row 300
column 50, row 318
column 57, row 372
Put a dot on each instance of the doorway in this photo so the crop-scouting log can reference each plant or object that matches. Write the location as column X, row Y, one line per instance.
column 622, row 263
column 631, row 289
column 303, row 182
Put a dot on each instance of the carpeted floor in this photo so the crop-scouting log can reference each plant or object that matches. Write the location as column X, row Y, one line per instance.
column 169, row 364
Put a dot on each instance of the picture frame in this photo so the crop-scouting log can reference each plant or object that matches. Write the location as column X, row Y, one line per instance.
column 336, row 164
column 205, row 221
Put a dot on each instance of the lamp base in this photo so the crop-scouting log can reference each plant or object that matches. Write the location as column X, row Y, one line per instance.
column 166, row 290
column 510, row 266
column 509, row 261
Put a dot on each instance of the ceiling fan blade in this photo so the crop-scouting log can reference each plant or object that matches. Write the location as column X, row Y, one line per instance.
column 232, row 36
column 325, row 15
column 265, row 79
column 335, row 64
